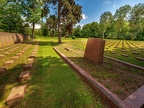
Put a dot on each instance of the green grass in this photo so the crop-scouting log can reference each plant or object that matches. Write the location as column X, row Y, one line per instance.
column 120, row 79
column 110, row 44
column 53, row 83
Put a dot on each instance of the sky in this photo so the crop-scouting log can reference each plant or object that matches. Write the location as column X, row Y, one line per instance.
column 92, row 9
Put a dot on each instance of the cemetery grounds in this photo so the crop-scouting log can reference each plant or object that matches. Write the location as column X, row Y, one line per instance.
column 53, row 84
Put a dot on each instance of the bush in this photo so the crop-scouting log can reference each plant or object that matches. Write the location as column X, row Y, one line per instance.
column 73, row 37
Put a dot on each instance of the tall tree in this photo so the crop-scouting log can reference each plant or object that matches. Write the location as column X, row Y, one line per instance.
column 137, row 21
column 121, row 20
column 32, row 12
column 106, row 20
column 68, row 13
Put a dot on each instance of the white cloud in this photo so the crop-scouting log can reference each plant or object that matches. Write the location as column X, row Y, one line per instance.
column 78, row 24
column 37, row 26
column 106, row 2
column 114, row 5
column 84, row 16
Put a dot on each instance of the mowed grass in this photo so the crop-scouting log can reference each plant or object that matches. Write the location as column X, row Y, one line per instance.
column 129, row 46
column 9, row 79
column 122, row 80
column 54, row 84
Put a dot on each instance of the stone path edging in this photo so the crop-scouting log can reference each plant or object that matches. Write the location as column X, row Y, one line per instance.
column 126, row 63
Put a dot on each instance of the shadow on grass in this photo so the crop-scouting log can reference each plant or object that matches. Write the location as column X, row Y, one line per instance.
column 54, row 85
column 8, row 80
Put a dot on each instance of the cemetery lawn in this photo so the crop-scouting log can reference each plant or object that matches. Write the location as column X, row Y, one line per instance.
column 122, row 80
column 54, row 84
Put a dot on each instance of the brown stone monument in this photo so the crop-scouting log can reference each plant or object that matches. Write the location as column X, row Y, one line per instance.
column 95, row 50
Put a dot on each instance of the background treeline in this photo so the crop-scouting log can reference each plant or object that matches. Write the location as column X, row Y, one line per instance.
column 56, row 17
column 126, row 23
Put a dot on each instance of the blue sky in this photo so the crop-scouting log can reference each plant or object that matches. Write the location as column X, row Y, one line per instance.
column 92, row 9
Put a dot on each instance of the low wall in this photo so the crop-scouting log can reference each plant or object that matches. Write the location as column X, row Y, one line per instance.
column 11, row 38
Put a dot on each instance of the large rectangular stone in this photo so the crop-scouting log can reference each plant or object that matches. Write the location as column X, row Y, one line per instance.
column 14, row 57
column 30, row 60
column 28, row 66
column 136, row 99
column 16, row 94
column 8, row 62
column 95, row 50
column 1, row 56
column 6, row 53
column 19, row 54
column 24, row 75
column 2, row 70
column 1, row 49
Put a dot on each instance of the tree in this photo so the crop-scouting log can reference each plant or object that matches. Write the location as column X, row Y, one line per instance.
column 105, row 21
column 32, row 12
column 121, row 21
column 137, row 21
column 68, row 13
column 11, row 18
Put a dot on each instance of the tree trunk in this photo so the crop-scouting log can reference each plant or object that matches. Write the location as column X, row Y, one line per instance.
column 103, row 34
column 33, row 26
column 59, row 32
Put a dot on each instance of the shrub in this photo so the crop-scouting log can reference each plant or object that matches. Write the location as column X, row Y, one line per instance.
column 73, row 37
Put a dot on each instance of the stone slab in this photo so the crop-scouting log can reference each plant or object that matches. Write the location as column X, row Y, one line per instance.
column 136, row 99
column 11, row 50
column 113, row 52
column 30, row 60
column 33, row 53
column 67, row 49
column 123, row 50
column 139, row 58
column 14, row 57
column 95, row 50
column 24, row 75
column 28, row 66
column 2, row 70
column 7, row 53
column 22, row 51
column 125, row 55
column 1, row 56
column 16, row 94
column 8, row 62
column 1, row 49
column 32, row 56
column 19, row 54
column 136, row 53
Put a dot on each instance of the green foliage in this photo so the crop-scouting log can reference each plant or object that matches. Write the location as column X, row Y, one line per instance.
column 73, row 37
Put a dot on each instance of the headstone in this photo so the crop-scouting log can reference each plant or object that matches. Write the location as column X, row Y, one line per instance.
column 67, row 49
column 2, row 70
column 123, row 50
column 30, row 60
column 16, row 94
column 28, row 66
column 1, row 49
column 113, row 52
column 24, row 75
column 7, row 53
column 136, row 53
column 1, row 56
column 15, row 57
column 95, row 50
column 139, row 58
column 125, row 55
column 18, row 54
column 8, row 62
